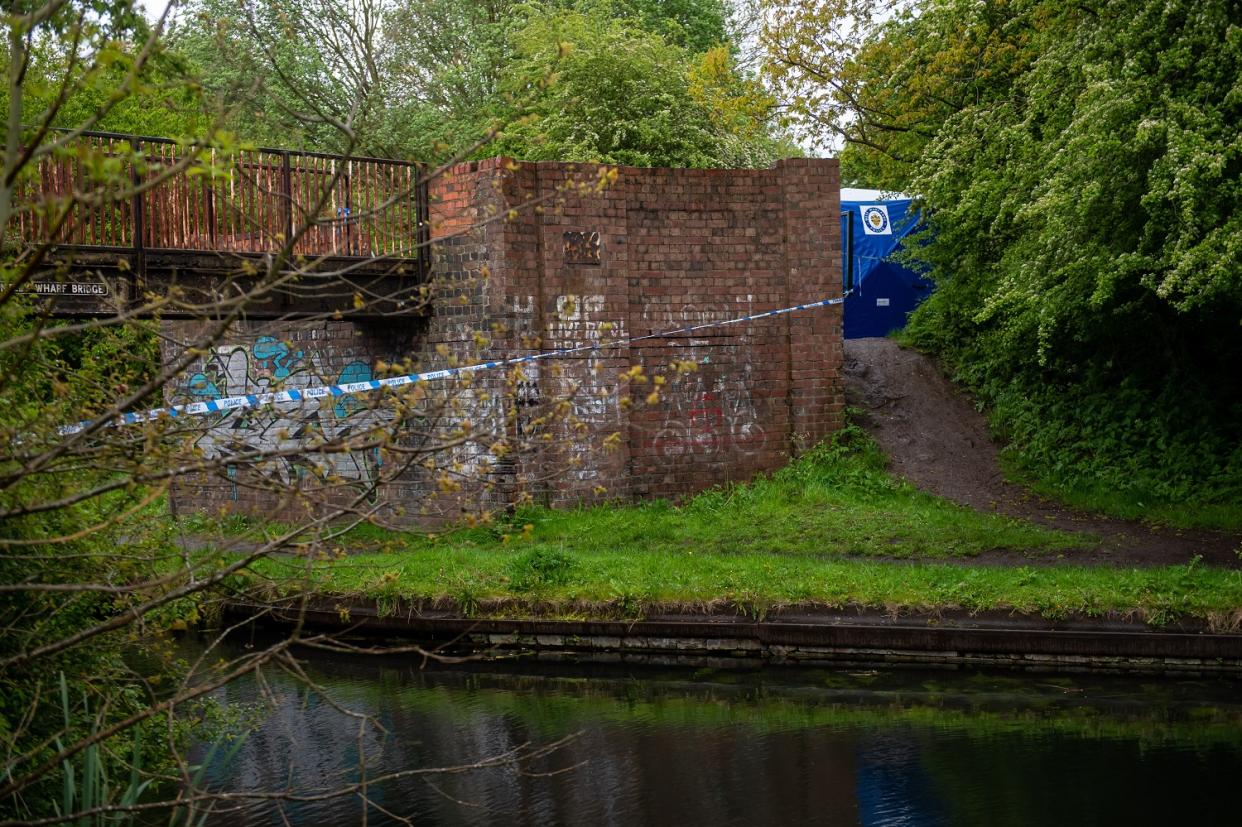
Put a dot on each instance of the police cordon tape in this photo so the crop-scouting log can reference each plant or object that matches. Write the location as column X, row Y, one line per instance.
column 258, row 400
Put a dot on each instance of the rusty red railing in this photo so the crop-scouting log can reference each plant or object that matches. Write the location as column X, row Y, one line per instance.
column 136, row 193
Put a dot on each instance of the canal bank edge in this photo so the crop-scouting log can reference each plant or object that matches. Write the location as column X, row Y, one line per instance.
column 729, row 639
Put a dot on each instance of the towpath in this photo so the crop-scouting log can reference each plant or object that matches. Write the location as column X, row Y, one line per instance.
column 935, row 438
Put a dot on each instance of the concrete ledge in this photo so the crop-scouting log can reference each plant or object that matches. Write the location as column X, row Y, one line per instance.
column 815, row 639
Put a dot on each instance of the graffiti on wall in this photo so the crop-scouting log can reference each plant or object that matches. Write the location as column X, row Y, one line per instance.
column 710, row 415
column 589, row 381
column 712, row 410
column 269, row 365
column 667, row 316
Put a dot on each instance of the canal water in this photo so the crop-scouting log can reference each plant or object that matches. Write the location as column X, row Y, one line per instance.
column 683, row 747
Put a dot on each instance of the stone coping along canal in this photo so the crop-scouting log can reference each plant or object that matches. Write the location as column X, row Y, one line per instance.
column 728, row 638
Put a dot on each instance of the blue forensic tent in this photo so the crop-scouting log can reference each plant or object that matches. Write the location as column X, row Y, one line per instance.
column 873, row 224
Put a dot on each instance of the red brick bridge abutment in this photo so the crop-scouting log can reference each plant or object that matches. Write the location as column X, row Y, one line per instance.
column 524, row 258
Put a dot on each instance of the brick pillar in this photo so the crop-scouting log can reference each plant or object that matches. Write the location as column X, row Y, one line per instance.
column 810, row 189
column 517, row 280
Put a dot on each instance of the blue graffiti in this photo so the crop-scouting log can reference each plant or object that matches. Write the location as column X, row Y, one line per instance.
column 274, row 356
column 346, row 406
column 200, row 385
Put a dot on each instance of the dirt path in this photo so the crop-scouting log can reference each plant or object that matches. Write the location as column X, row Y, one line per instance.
column 937, row 440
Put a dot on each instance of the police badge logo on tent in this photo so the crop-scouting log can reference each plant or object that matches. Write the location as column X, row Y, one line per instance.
column 875, row 220
column 874, row 226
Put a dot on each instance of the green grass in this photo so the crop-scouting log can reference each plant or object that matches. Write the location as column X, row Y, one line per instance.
column 836, row 501
column 822, row 532
column 1132, row 503
column 575, row 583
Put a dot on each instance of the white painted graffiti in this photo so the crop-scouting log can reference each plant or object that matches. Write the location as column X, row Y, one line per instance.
column 667, row 316
column 289, row 428
column 591, row 388
column 711, row 416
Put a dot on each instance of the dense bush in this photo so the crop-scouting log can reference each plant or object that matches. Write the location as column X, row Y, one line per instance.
column 1081, row 164
column 1087, row 246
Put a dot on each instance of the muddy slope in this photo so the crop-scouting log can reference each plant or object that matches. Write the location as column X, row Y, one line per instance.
column 936, row 439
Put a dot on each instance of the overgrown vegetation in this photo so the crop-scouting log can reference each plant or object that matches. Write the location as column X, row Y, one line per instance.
column 614, row 81
column 69, row 695
column 1081, row 169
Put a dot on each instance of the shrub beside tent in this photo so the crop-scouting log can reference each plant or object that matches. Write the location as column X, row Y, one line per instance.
column 874, row 224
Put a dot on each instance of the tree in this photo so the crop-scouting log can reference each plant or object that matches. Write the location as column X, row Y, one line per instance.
column 695, row 25
column 1080, row 171
column 629, row 97
column 314, row 74
column 809, row 50
column 91, row 567
column 449, row 72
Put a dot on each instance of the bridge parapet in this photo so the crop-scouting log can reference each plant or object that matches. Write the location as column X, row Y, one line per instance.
column 130, row 215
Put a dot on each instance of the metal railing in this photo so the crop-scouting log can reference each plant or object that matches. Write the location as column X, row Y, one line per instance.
column 137, row 193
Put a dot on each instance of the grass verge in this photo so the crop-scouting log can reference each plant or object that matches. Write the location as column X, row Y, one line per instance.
column 808, row 535
column 838, row 500
column 1133, row 503
column 577, row 584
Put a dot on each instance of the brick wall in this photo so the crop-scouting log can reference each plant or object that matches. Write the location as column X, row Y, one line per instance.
column 532, row 257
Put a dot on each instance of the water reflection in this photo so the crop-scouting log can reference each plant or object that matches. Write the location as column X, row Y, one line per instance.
column 783, row 747
column 893, row 787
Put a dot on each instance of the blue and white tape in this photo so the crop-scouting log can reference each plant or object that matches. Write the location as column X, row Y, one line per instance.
column 257, row 400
